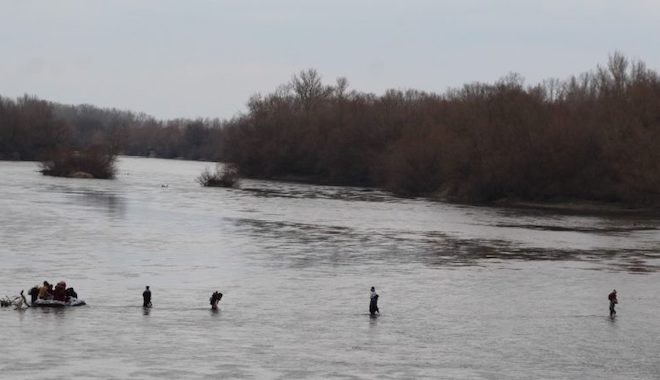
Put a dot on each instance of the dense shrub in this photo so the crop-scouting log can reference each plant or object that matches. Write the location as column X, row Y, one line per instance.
column 93, row 162
column 226, row 175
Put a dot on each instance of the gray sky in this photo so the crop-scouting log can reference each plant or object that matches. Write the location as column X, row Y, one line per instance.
column 193, row 58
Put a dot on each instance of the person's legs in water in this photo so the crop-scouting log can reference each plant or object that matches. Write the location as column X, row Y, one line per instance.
column 612, row 311
column 373, row 306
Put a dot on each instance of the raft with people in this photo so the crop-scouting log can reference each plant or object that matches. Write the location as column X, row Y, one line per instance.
column 58, row 296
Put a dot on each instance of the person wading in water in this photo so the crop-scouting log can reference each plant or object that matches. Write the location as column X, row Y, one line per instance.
column 215, row 298
column 146, row 297
column 613, row 301
column 373, row 303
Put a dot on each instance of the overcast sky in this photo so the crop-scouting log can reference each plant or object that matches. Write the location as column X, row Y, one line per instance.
column 192, row 58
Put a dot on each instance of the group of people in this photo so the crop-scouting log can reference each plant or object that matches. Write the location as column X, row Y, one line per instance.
column 47, row 291
column 217, row 296
column 61, row 293
column 373, row 301
column 146, row 299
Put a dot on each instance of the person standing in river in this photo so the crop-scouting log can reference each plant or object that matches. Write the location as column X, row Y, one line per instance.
column 613, row 301
column 146, row 297
column 373, row 303
column 215, row 298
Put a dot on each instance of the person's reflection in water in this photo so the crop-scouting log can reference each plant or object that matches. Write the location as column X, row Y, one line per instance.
column 373, row 321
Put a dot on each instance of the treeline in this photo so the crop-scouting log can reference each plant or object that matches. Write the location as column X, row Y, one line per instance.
column 31, row 129
column 595, row 136
column 181, row 138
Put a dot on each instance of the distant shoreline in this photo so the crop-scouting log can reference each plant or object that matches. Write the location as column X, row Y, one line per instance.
column 571, row 206
column 568, row 206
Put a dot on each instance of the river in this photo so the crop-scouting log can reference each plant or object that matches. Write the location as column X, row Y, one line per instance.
column 466, row 292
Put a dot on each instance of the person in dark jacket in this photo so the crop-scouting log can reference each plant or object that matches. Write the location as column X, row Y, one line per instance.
column 34, row 294
column 70, row 293
column 613, row 301
column 146, row 297
column 373, row 303
column 215, row 298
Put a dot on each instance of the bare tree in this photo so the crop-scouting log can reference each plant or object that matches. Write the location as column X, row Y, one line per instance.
column 309, row 88
column 341, row 87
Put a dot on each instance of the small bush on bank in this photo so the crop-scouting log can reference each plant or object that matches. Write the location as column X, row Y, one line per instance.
column 93, row 162
column 226, row 175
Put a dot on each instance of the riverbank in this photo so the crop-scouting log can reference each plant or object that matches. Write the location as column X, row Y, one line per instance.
column 564, row 206
column 582, row 207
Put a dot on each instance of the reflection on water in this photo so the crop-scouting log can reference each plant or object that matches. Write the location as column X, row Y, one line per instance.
column 100, row 199
column 293, row 190
column 467, row 292
column 337, row 245
column 109, row 202
column 594, row 229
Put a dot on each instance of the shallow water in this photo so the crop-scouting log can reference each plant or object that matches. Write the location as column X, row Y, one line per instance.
column 466, row 292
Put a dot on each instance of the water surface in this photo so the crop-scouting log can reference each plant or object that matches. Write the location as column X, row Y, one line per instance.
column 466, row 292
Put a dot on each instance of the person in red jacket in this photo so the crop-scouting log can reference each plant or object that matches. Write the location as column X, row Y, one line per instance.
column 59, row 293
column 613, row 301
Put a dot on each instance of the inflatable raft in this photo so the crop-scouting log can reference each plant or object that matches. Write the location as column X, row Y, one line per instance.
column 53, row 303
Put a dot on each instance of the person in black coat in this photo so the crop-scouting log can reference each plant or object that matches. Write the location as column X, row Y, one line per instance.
column 146, row 297
column 34, row 294
column 373, row 303
column 613, row 301
column 215, row 298
column 70, row 293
